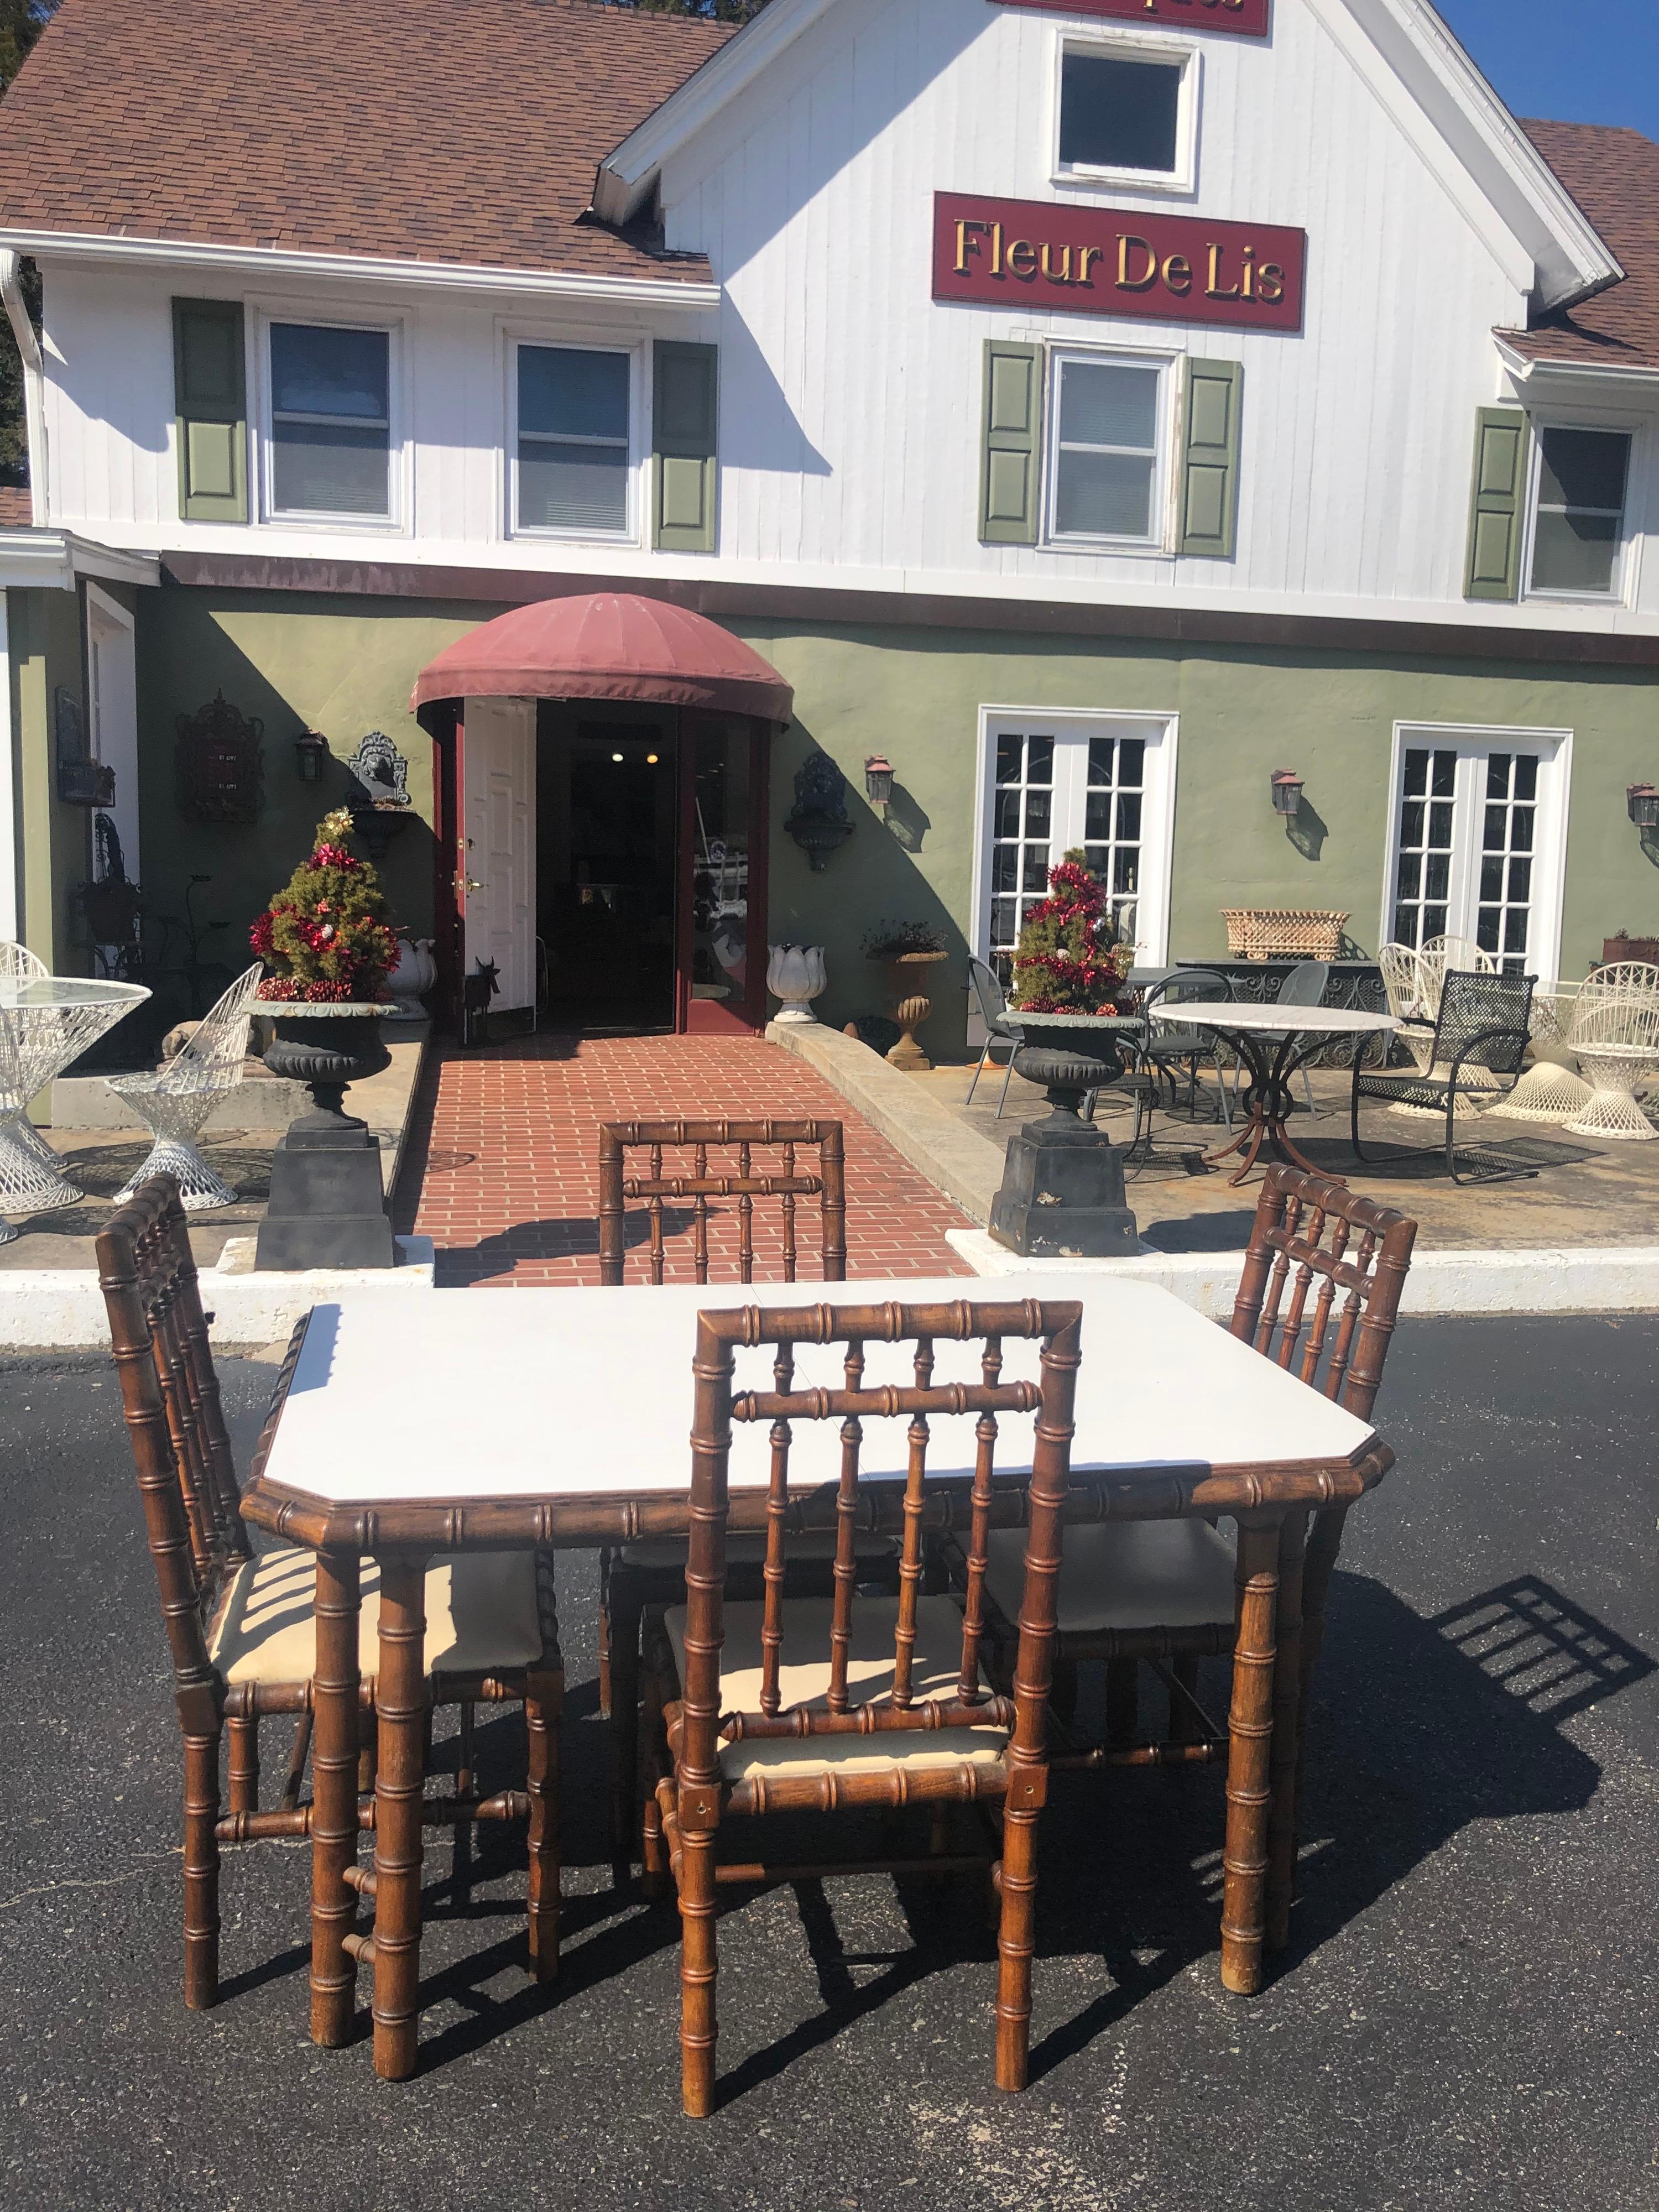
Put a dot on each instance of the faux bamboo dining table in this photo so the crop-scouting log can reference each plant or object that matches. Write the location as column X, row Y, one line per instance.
column 405, row 1427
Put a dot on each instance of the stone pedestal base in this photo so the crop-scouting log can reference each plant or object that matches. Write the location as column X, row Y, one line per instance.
column 1062, row 1195
column 327, row 1208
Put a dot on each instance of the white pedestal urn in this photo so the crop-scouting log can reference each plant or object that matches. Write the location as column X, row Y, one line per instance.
column 327, row 1204
column 795, row 974
column 407, row 985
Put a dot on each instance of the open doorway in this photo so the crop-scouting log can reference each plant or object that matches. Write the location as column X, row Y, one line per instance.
column 607, row 783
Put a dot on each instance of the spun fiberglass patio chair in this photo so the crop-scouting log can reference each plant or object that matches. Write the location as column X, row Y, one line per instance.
column 1402, row 981
column 175, row 1101
column 1615, row 1036
column 19, row 965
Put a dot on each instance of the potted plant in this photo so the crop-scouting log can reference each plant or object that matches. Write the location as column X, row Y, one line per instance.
column 329, row 946
column 907, row 949
column 1070, row 960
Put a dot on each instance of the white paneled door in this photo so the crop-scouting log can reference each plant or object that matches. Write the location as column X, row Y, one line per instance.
column 1478, row 842
column 1050, row 784
column 498, row 881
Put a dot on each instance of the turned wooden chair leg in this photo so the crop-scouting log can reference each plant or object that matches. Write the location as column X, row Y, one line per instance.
column 1016, row 1946
column 604, row 1634
column 544, row 1705
column 1250, row 1730
column 201, row 1870
column 699, row 1965
column 334, row 1796
column 625, row 1613
column 368, row 1760
column 242, row 1765
column 403, row 1717
column 1286, row 1742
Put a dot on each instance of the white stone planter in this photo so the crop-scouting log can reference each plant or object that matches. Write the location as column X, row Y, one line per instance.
column 795, row 974
column 407, row 985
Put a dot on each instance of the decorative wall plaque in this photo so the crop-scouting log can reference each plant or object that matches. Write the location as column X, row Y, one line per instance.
column 219, row 764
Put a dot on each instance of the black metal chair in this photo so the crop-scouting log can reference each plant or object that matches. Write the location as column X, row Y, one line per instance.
column 1305, row 984
column 993, row 1002
column 1484, row 1023
column 1164, row 1049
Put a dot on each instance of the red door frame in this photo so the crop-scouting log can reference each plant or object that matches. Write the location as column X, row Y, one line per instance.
column 448, row 858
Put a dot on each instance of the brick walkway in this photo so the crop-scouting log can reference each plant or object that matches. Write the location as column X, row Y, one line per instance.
column 502, row 1170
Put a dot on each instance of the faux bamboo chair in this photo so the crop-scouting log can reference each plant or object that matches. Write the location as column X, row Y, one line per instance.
column 176, row 1100
column 799, row 1705
column 244, row 1637
column 1482, row 1028
column 653, row 1571
column 1319, row 1294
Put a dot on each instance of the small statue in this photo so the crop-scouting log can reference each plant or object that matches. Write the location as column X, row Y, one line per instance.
column 477, row 992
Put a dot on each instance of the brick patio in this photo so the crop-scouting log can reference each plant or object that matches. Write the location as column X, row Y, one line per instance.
column 502, row 1168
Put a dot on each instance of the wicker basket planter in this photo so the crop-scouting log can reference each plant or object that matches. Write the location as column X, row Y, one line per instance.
column 1259, row 933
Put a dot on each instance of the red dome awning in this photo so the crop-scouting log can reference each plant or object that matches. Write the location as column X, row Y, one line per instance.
column 607, row 645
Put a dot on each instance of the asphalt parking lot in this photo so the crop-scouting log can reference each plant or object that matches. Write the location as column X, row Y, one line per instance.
column 1467, row 2016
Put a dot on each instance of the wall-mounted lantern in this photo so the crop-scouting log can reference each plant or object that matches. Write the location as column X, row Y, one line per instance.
column 878, row 779
column 1286, row 787
column 310, row 755
column 1642, row 803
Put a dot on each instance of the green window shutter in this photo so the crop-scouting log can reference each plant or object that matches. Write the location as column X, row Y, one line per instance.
column 210, row 401
column 1209, row 459
column 1011, row 469
column 1497, row 505
column 684, row 412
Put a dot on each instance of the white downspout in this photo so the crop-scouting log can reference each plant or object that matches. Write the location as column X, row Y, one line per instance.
column 35, row 376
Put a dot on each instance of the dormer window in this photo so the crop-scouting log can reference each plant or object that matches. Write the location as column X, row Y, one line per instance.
column 1127, row 114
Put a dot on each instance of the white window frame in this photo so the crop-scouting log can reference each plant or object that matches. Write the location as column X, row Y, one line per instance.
column 1112, row 45
column 1159, row 535
column 396, row 522
column 1162, row 731
column 1473, row 741
column 1619, row 591
column 639, row 431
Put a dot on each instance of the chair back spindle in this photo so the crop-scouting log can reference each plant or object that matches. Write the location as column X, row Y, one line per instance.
column 789, row 1183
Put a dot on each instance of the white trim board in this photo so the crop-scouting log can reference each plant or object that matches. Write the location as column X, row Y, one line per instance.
column 10, row 912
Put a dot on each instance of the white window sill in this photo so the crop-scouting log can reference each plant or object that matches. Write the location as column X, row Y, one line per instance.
column 1173, row 184
column 379, row 525
column 530, row 535
column 1144, row 548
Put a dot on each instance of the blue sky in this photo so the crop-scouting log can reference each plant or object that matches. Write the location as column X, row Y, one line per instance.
column 1575, row 61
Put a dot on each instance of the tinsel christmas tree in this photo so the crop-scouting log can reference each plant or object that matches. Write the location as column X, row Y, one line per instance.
column 325, row 936
column 1069, row 960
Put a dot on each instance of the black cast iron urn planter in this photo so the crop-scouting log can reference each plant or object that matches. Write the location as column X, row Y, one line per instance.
column 327, row 1207
column 1062, row 1181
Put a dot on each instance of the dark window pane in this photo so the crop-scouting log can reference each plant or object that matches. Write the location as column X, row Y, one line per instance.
column 1434, row 923
column 1104, row 405
column 1410, row 885
column 329, row 468
column 1411, row 822
column 1521, row 822
column 1005, row 862
column 1417, row 774
column 1486, row 934
column 576, row 393
column 1583, row 468
column 1039, row 760
column 1131, row 762
column 1097, row 821
column 1009, row 753
column 1036, row 813
column 1439, row 877
column 1440, row 827
column 1520, row 881
column 572, row 487
column 1497, row 829
column 1497, row 775
column 1007, row 822
column 1515, row 931
column 1575, row 552
column 1099, row 857
column 1036, row 868
column 1491, row 879
column 1118, row 114
column 1103, row 496
column 1525, row 776
column 1005, row 926
column 1128, row 814
column 323, row 372
column 1405, row 925
column 1126, row 871
column 1445, row 774
column 1102, row 763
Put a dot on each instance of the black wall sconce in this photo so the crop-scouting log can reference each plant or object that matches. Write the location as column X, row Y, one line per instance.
column 878, row 779
column 310, row 755
column 1641, row 803
column 1286, row 786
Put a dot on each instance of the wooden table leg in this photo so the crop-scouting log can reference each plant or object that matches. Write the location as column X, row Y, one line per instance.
column 1287, row 1732
column 400, row 1705
column 334, row 1791
column 1249, row 1793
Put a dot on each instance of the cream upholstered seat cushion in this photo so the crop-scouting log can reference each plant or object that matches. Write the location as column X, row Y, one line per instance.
column 747, row 1548
column 804, row 1680
column 480, row 1617
column 1124, row 1574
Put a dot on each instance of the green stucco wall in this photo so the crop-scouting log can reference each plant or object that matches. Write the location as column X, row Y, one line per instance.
column 345, row 666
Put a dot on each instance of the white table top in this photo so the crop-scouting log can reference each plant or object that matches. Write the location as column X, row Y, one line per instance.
column 1227, row 1014
column 49, row 992
column 587, row 1393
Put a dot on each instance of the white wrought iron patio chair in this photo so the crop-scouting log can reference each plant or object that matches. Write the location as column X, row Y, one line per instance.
column 176, row 1100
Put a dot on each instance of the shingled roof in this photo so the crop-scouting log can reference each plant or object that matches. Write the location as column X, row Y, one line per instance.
column 449, row 130
column 1614, row 174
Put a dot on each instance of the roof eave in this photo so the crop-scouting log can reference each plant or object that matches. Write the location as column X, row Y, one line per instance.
column 686, row 292
column 1540, row 369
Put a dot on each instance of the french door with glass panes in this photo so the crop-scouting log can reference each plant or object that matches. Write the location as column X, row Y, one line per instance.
column 1477, row 843
column 1102, row 782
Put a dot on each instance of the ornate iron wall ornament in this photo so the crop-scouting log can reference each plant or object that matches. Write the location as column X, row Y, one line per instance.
column 81, row 781
column 820, row 823
column 377, row 791
column 219, row 764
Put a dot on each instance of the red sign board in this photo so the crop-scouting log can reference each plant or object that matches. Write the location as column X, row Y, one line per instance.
column 1246, row 18
column 1114, row 261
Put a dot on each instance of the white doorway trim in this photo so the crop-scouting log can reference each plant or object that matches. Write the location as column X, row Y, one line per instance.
column 112, row 713
column 1157, row 810
column 10, row 915
column 1554, row 748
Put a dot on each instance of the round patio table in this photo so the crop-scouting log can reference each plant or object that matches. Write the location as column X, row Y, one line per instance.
column 45, row 1023
column 1274, row 1042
